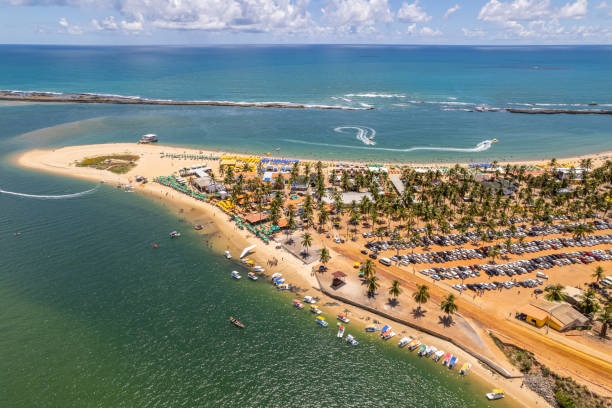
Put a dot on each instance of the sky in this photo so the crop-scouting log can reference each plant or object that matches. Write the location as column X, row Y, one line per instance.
column 199, row 22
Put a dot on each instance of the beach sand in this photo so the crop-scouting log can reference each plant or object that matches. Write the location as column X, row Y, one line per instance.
column 226, row 236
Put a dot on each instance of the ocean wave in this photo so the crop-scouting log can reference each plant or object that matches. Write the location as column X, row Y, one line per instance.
column 50, row 197
column 364, row 134
column 44, row 96
column 365, row 105
column 374, row 95
column 480, row 147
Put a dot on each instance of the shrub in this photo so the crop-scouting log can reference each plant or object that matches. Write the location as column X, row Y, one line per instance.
column 564, row 400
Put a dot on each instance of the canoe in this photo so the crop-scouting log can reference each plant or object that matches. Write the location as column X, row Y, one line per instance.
column 236, row 322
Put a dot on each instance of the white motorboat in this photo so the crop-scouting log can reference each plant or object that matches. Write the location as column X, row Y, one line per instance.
column 315, row 310
column 404, row 341
column 236, row 275
column 309, row 299
column 495, row 394
column 438, row 355
column 340, row 331
column 258, row 268
column 351, row 339
column 228, row 255
column 252, row 276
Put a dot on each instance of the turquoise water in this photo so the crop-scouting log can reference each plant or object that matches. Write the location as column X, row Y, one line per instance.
column 420, row 95
column 91, row 316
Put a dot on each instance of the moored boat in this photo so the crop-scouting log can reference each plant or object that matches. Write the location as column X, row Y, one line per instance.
column 315, row 310
column 321, row 321
column 236, row 322
column 175, row 234
column 372, row 328
column 431, row 350
column 340, row 331
column 155, row 245
column 465, row 368
column 283, row 286
column 388, row 334
column 236, row 275
column 342, row 317
column 309, row 299
column 447, row 358
column 495, row 394
column 259, row 269
column 438, row 355
column 298, row 304
column 351, row 339
column 198, row 227
column 277, row 275
column 422, row 350
column 252, row 276
column 414, row 344
column 453, row 361
column 228, row 255
column 404, row 341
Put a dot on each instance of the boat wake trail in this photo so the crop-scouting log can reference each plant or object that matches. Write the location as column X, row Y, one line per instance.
column 480, row 147
column 50, row 197
column 364, row 134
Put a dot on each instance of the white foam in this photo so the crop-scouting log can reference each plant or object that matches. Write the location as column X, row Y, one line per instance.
column 374, row 95
column 365, row 105
column 480, row 147
column 50, row 197
column 364, row 134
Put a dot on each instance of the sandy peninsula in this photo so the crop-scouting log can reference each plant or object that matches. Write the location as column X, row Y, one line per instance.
column 582, row 358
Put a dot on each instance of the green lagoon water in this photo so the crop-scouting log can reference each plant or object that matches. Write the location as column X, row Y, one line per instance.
column 92, row 316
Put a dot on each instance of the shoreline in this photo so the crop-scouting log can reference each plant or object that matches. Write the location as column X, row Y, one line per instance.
column 227, row 236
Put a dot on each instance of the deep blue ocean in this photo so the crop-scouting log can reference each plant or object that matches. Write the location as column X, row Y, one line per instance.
column 422, row 97
column 91, row 316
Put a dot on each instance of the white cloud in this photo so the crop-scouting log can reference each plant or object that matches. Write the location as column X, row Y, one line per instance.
column 575, row 10
column 356, row 15
column 108, row 24
column 412, row 13
column 477, row 32
column 451, row 10
column 605, row 8
column 517, row 10
column 430, row 32
column 67, row 28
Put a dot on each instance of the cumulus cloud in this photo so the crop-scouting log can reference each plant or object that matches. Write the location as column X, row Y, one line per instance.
column 107, row 24
column 412, row 13
column 575, row 10
column 451, row 10
column 477, row 32
column 430, row 32
column 67, row 28
column 356, row 15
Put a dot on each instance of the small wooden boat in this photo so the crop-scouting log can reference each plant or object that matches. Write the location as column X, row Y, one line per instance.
column 453, row 361
column 342, row 317
column 414, row 344
column 298, row 304
column 175, row 234
column 309, row 299
column 431, row 350
column 495, row 394
column 465, row 368
column 155, row 245
column 198, row 227
column 315, row 310
column 447, row 358
column 422, row 350
column 438, row 355
column 321, row 320
column 372, row 328
column 236, row 322
column 388, row 334
column 227, row 255
column 252, row 276
column 404, row 342
column 340, row 331
column 236, row 275
column 283, row 286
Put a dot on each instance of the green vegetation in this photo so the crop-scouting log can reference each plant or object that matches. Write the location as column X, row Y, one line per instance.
column 116, row 163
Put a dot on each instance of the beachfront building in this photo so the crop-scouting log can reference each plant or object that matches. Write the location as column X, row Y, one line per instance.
column 572, row 294
column 559, row 316
column 256, row 218
column 572, row 174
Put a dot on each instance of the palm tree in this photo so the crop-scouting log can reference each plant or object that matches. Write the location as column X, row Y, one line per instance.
column 421, row 296
column 324, row 257
column 493, row 252
column 605, row 317
column 372, row 284
column 395, row 289
column 554, row 293
column 306, row 241
column 598, row 274
column 368, row 269
column 588, row 302
column 449, row 306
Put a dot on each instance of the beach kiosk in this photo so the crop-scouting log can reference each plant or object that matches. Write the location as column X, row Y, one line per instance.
column 338, row 279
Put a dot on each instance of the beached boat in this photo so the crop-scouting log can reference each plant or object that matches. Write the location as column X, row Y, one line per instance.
column 414, row 344
column 283, row 286
column 351, row 339
column 438, row 355
column 422, row 350
column 453, row 361
column 236, row 275
column 298, row 304
column 259, row 269
column 447, row 358
column 148, row 138
column 340, row 331
column 372, row 328
column 252, row 276
column 430, row 351
column 465, row 368
column 495, row 394
column 278, row 281
column 309, row 299
column 198, row 227
column 315, row 310
column 404, row 341
column 321, row 321
column 236, row 322
column 277, row 275
column 175, row 234
column 342, row 317
column 388, row 334
column 228, row 255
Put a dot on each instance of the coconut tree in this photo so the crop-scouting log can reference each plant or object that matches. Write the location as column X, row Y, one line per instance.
column 554, row 293
column 588, row 302
column 449, row 306
column 372, row 285
column 306, row 241
column 368, row 269
column 598, row 274
column 324, row 257
column 605, row 317
column 395, row 289
column 421, row 296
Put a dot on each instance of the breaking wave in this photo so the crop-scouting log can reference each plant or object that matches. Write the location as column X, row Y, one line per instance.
column 364, row 134
column 50, row 197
